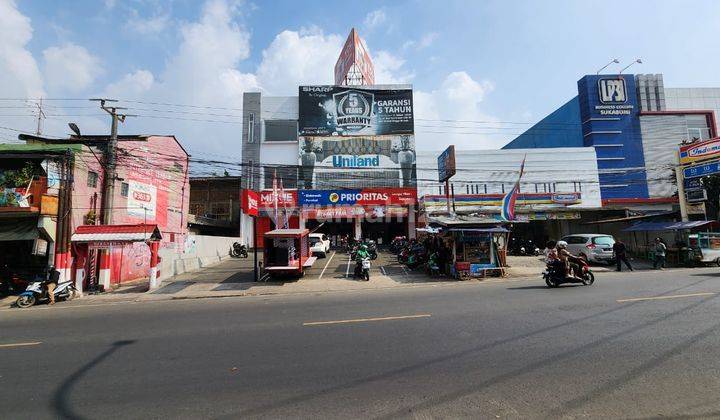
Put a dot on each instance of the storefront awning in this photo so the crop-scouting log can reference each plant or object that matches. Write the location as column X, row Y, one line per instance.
column 19, row 230
column 497, row 229
column 668, row 226
column 116, row 233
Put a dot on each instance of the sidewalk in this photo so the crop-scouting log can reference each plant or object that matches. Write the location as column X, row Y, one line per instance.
column 232, row 278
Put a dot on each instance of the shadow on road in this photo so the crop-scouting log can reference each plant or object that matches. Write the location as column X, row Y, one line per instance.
column 562, row 286
column 433, row 401
column 61, row 398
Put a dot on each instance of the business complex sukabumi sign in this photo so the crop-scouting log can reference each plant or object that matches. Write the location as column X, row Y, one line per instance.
column 346, row 111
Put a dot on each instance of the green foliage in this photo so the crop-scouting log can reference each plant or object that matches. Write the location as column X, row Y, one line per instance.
column 15, row 178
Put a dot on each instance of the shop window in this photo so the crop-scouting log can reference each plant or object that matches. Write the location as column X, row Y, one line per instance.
column 124, row 188
column 280, row 130
column 92, row 179
column 251, row 128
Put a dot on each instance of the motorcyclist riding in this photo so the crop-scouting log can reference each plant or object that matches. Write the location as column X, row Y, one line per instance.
column 360, row 255
column 572, row 269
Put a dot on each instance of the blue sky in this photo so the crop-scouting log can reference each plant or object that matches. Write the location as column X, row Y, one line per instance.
column 501, row 64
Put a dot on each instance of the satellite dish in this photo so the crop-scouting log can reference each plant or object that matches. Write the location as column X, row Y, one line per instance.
column 75, row 129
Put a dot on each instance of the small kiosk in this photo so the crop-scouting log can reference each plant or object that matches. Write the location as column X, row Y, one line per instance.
column 286, row 252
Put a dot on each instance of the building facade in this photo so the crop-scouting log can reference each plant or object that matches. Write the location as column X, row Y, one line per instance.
column 635, row 125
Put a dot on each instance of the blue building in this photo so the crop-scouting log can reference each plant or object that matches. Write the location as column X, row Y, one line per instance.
column 635, row 125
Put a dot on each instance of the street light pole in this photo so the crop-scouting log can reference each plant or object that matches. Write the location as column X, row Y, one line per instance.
column 638, row 61
column 614, row 61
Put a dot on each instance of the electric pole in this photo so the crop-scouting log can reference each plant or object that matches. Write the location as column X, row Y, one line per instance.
column 41, row 117
column 110, row 174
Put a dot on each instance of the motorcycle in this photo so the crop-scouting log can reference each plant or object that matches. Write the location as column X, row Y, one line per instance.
column 362, row 269
column 372, row 249
column 555, row 274
column 36, row 292
column 239, row 250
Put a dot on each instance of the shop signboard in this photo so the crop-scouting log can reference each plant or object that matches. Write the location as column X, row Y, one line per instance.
column 361, row 197
column 696, row 196
column 286, row 199
column 350, row 212
column 250, row 202
column 446, row 164
column 700, row 151
column 354, row 111
column 354, row 53
column 702, row 170
column 566, row 198
column 357, row 162
column 141, row 200
column 693, row 184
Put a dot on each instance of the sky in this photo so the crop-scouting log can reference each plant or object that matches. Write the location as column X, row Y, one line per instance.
column 482, row 71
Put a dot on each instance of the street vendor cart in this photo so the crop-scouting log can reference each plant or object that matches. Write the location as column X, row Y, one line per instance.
column 477, row 252
column 286, row 252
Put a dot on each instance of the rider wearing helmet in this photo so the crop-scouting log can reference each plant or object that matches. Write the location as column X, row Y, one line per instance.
column 571, row 268
column 362, row 253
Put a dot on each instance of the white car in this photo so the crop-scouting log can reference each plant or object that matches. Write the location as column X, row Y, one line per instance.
column 319, row 244
column 593, row 247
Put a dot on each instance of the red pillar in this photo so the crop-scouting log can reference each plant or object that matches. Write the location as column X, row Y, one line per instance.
column 154, row 260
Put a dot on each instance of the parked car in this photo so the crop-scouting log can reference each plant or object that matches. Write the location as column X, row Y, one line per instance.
column 595, row 248
column 319, row 244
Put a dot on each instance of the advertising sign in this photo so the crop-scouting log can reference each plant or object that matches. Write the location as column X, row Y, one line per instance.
column 349, row 212
column 702, row 170
column 354, row 53
column 250, row 202
column 345, row 111
column 374, row 161
column 446, row 164
column 142, row 200
column 368, row 196
column 700, row 151
column 566, row 198
column 288, row 199
column 695, row 196
column 693, row 184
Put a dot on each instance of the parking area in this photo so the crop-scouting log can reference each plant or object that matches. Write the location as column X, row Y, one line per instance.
column 338, row 265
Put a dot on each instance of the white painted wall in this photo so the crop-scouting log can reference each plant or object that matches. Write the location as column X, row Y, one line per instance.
column 560, row 165
column 199, row 251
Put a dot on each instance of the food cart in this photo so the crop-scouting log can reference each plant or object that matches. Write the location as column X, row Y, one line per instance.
column 477, row 252
column 286, row 252
column 705, row 247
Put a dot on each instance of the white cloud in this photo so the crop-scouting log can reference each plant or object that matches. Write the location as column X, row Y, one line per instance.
column 132, row 85
column 109, row 4
column 70, row 68
column 374, row 19
column 19, row 73
column 147, row 26
column 295, row 58
column 458, row 100
column 389, row 69
column 424, row 42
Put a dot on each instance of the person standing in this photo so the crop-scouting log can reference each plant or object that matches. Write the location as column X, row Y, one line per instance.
column 620, row 251
column 660, row 251
column 53, row 277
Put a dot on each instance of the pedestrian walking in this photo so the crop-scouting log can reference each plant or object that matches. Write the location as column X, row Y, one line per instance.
column 660, row 251
column 620, row 251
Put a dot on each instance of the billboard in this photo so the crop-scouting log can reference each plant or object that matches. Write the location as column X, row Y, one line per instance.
column 354, row 53
column 446, row 164
column 142, row 200
column 700, row 151
column 328, row 163
column 250, row 202
column 345, row 111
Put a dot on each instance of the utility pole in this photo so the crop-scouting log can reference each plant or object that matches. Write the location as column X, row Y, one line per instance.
column 41, row 117
column 110, row 173
column 680, row 179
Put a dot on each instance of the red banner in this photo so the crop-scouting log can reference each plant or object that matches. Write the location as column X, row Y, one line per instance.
column 347, row 212
column 250, row 202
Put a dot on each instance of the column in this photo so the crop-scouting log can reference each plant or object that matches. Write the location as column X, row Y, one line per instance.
column 357, row 228
column 81, row 261
column 154, row 272
column 104, row 274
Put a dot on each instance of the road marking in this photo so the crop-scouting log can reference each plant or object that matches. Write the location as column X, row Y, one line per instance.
column 405, row 270
column 666, row 297
column 382, row 268
column 31, row 343
column 326, row 265
column 350, row 321
column 347, row 270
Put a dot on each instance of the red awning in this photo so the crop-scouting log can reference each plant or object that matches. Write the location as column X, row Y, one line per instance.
column 116, row 233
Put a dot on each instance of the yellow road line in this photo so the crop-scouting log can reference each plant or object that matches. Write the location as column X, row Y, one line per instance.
column 666, row 297
column 31, row 343
column 350, row 321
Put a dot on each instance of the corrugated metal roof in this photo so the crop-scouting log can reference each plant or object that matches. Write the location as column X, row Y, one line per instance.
column 667, row 226
column 120, row 233
column 39, row 148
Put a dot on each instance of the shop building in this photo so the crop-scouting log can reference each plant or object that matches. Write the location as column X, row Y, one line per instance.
column 150, row 204
column 339, row 155
column 635, row 125
column 556, row 195
column 214, row 205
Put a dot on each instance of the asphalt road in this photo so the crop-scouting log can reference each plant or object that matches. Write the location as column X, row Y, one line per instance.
column 493, row 350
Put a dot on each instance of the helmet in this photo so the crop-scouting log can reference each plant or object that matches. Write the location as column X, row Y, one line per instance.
column 363, row 247
column 562, row 244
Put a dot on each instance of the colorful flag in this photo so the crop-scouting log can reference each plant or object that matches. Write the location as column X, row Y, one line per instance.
column 507, row 211
column 275, row 200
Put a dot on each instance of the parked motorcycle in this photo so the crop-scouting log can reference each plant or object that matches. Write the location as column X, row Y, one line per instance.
column 362, row 269
column 239, row 250
column 36, row 292
column 555, row 274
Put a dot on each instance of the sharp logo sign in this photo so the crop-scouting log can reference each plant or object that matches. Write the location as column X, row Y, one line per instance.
column 612, row 91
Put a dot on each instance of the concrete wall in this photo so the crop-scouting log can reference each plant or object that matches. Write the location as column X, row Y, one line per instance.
column 198, row 251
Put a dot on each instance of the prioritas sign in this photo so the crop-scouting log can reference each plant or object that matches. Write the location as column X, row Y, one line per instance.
column 367, row 196
column 346, row 111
